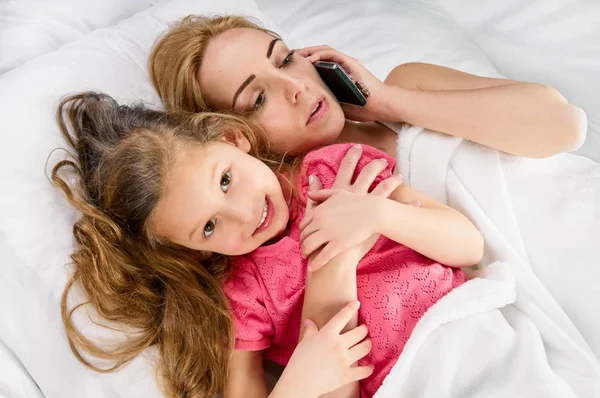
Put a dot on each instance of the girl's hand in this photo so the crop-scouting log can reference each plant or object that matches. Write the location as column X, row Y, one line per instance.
column 342, row 221
column 343, row 180
column 324, row 359
column 378, row 93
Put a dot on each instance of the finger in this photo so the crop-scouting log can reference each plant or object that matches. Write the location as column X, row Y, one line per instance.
column 331, row 55
column 355, row 336
column 368, row 175
column 322, row 195
column 347, row 167
column 313, row 184
column 306, row 51
column 312, row 243
column 339, row 321
column 330, row 250
column 360, row 350
column 360, row 372
column 307, row 216
column 387, row 186
column 309, row 229
column 310, row 328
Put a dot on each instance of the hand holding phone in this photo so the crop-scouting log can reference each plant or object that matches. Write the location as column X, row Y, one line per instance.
column 340, row 83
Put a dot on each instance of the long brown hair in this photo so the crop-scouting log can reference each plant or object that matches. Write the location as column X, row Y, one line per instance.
column 169, row 295
column 175, row 60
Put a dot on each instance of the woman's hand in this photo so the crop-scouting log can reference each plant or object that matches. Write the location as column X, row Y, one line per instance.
column 324, row 360
column 373, row 110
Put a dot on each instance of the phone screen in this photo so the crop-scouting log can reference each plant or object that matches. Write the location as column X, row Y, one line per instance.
column 340, row 83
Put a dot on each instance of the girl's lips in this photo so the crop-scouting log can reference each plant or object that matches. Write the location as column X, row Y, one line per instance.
column 268, row 218
column 323, row 108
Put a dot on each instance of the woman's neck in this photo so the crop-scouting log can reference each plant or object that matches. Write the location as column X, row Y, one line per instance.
column 370, row 133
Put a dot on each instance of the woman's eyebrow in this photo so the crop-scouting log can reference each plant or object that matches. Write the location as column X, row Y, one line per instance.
column 242, row 87
column 271, row 45
column 252, row 76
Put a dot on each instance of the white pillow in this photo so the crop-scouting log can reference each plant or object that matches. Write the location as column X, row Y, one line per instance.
column 380, row 33
column 30, row 28
column 35, row 221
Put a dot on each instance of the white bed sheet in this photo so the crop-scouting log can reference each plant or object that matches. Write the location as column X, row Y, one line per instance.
column 35, row 223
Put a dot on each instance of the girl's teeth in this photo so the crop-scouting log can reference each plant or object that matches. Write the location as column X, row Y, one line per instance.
column 264, row 215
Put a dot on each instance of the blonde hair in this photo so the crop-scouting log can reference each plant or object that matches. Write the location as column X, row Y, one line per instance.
column 170, row 295
column 176, row 57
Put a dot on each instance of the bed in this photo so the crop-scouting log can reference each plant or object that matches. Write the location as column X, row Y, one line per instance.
column 73, row 45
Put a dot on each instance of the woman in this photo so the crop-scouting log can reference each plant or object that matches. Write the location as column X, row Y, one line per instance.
column 230, row 64
column 203, row 63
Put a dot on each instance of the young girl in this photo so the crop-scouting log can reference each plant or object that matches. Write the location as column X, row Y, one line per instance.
column 166, row 185
column 169, row 295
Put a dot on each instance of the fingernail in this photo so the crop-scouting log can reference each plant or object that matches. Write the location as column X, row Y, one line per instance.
column 311, row 178
column 357, row 146
column 384, row 161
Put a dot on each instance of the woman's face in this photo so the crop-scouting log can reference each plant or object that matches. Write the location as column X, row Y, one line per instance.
column 220, row 199
column 246, row 70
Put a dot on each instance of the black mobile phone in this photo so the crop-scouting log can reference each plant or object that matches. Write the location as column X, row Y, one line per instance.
column 340, row 83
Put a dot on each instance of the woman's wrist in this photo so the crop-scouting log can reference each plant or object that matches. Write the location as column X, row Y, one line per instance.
column 393, row 101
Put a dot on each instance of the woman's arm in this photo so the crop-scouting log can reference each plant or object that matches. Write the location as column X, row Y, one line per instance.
column 527, row 119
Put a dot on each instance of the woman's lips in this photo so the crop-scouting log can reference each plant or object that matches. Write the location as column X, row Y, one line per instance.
column 322, row 109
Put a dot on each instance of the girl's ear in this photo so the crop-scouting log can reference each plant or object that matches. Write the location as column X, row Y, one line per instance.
column 235, row 137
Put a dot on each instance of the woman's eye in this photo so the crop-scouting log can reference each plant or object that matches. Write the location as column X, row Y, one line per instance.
column 210, row 227
column 259, row 100
column 288, row 60
column 225, row 181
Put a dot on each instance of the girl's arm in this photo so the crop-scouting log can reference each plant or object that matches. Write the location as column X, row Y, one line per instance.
column 526, row 119
column 432, row 229
column 320, row 363
column 246, row 376
column 329, row 288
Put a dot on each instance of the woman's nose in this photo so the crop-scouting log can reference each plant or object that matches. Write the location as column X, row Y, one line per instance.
column 293, row 88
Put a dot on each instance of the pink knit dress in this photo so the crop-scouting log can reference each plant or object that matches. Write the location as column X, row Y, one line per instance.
column 396, row 285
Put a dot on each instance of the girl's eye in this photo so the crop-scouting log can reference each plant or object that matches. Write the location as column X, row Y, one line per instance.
column 259, row 100
column 288, row 60
column 225, row 181
column 210, row 227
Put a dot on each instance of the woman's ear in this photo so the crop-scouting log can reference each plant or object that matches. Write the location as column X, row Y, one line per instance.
column 237, row 138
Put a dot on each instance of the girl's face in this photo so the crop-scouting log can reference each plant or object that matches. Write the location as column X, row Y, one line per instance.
column 218, row 198
column 246, row 70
